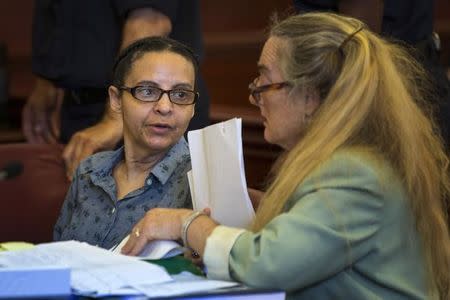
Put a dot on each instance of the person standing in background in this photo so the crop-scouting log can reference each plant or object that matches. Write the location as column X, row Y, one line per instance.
column 409, row 22
column 74, row 47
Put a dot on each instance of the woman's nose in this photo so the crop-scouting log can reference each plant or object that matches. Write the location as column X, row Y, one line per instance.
column 164, row 105
column 254, row 99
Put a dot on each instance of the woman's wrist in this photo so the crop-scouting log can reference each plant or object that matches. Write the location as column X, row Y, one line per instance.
column 186, row 223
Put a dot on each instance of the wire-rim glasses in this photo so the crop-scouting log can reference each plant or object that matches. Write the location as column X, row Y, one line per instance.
column 255, row 91
column 147, row 93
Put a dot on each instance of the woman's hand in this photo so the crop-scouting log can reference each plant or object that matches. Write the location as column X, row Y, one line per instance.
column 104, row 135
column 41, row 113
column 157, row 224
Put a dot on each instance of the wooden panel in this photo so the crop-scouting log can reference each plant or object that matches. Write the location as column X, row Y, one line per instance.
column 233, row 35
column 442, row 27
column 234, row 16
column 15, row 31
column 15, row 18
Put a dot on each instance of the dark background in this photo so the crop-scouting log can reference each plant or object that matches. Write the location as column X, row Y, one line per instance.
column 233, row 36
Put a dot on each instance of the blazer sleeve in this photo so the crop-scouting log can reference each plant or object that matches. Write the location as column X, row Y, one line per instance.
column 329, row 224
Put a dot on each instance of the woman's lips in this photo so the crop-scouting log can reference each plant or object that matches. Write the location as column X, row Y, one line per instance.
column 160, row 128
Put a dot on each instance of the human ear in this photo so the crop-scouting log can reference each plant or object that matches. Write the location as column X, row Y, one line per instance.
column 115, row 102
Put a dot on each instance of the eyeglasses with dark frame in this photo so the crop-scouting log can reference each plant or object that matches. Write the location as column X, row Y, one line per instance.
column 255, row 91
column 148, row 93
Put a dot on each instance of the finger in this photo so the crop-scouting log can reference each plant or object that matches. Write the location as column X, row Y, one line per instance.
column 55, row 121
column 27, row 124
column 26, row 127
column 129, row 244
column 135, row 232
column 38, row 130
column 82, row 150
column 68, row 155
column 135, row 243
column 138, row 246
column 78, row 149
column 40, row 125
column 47, row 133
column 88, row 149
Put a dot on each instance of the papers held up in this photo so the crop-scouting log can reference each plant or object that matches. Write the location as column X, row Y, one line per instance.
column 217, row 179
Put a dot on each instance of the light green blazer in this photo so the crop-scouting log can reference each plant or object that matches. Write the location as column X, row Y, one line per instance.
column 347, row 233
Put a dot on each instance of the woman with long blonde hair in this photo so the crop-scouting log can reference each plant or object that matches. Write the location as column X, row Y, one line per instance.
column 357, row 205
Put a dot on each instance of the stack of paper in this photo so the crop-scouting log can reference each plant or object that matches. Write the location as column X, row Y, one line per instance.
column 52, row 269
column 94, row 271
column 185, row 283
column 217, row 179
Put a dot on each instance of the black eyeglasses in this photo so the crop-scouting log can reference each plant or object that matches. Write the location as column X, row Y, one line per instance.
column 255, row 91
column 153, row 94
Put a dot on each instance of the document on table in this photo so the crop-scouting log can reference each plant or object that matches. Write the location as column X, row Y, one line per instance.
column 217, row 179
column 184, row 283
column 94, row 271
column 155, row 249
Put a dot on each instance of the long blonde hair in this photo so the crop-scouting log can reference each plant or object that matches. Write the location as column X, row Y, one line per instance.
column 372, row 95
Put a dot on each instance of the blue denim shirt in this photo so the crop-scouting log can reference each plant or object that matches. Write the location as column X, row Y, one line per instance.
column 91, row 211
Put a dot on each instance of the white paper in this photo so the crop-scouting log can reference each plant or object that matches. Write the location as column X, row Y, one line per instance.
column 155, row 249
column 218, row 175
column 184, row 283
column 93, row 270
column 191, row 189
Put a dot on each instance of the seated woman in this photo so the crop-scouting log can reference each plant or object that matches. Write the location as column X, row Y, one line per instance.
column 154, row 92
column 356, row 206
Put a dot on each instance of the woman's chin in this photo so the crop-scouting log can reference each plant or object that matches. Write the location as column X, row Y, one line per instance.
column 160, row 143
column 267, row 136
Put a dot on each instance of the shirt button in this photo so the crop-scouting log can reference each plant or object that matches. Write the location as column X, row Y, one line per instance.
column 149, row 181
column 113, row 210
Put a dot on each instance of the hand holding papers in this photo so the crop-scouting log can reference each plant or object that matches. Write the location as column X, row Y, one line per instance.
column 217, row 179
